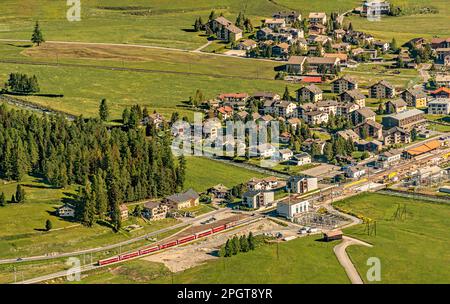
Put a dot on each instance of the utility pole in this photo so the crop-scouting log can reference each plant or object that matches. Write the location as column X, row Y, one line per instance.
column 15, row 275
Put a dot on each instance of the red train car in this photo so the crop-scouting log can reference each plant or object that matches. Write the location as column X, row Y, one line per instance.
column 186, row 239
column 130, row 255
column 230, row 224
column 204, row 233
column 148, row 250
column 108, row 261
column 167, row 245
column 217, row 229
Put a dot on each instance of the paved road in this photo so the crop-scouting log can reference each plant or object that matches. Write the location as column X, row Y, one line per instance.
column 108, row 247
column 344, row 260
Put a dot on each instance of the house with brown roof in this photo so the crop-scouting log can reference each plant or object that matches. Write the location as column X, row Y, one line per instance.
column 219, row 191
column 443, row 56
column 317, row 29
column 288, row 16
column 363, row 114
column 354, row 96
column 275, row 23
column 266, row 96
column 382, row 89
column 345, row 83
column 314, row 118
column 327, row 106
column 225, row 29
column 406, row 120
column 395, row 106
column 283, row 108
column 346, row 108
column 247, row 45
column 310, row 93
column 371, row 128
column 343, row 58
column 348, row 134
column 225, row 111
column 396, row 135
column 317, row 17
column 294, row 122
column 437, row 43
column 155, row 211
column 280, row 49
column 322, row 63
column 441, row 93
column 295, row 64
column 184, row 200
column 415, row 97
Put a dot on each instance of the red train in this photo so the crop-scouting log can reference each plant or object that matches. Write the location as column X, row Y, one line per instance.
column 150, row 249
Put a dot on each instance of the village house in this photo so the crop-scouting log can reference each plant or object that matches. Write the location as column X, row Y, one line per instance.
column 375, row 8
column 345, row 83
column 291, row 208
column 275, row 23
column 346, row 108
column 284, row 108
column 184, row 200
column 415, row 97
column 396, row 135
column 264, row 33
column 314, row 50
column 263, row 150
column 437, row 43
column 362, row 115
column 66, row 211
column 321, row 63
column 370, row 146
column 288, row 16
column 383, row 46
column 266, row 96
column 441, row 93
column 285, row 154
column 247, row 45
column 443, row 56
column 155, row 211
column 280, row 49
column 311, row 93
column 225, row 29
column 338, row 34
column 371, row 128
column 355, row 172
column 318, row 39
column 310, row 142
column 439, row 106
column 218, row 191
column 123, row 212
column 295, row 64
column 257, row 199
column 343, row 58
column 267, row 183
column 301, row 159
column 285, row 137
column 155, row 119
column 233, row 97
column 353, row 96
column 388, row 159
column 341, row 47
column 211, row 128
column 294, row 122
column 226, row 112
column 317, row 29
column 314, row 118
column 348, row 134
column 395, row 106
column 327, row 106
column 382, row 89
column 265, row 120
column 407, row 119
column 299, row 184
column 317, row 17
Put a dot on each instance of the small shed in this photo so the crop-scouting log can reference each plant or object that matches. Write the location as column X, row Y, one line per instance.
column 332, row 235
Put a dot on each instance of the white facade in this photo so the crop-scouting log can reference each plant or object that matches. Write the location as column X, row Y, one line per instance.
column 66, row 211
column 290, row 210
column 439, row 106
column 302, row 185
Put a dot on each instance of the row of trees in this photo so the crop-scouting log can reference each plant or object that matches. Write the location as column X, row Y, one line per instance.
column 238, row 244
column 124, row 161
column 22, row 83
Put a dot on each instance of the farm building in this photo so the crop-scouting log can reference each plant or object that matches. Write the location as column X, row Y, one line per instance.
column 332, row 235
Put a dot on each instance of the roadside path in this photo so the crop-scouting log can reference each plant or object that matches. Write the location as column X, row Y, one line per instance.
column 344, row 260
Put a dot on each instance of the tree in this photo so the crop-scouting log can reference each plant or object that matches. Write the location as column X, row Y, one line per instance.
column 251, row 241
column 103, row 110
column 2, row 199
column 328, row 151
column 37, row 37
column 243, row 243
column 350, row 27
column 13, row 199
column 394, row 46
column 48, row 225
column 380, row 109
column 228, row 249
column 236, row 245
column 212, row 16
column 20, row 194
column 286, row 95
column 222, row 251
column 414, row 134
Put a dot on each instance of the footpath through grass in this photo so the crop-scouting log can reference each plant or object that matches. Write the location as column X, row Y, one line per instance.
column 412, row 249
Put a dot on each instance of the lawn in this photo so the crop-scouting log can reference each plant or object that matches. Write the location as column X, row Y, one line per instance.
column 303, row 260
column 203, row 173
column 414, row 249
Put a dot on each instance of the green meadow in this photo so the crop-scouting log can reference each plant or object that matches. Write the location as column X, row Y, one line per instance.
column 412, row 248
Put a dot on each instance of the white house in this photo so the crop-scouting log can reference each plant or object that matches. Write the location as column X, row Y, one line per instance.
column 290, row 209
column 439, row 106
column 355, row 171
column 298, row 184
column 285, row 154
column 66, row 211
column 388, row 158
column 301, row 159
column 263, row 150
column 257, row 199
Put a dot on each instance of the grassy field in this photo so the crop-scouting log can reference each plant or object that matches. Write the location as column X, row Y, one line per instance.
column 303, row 260
column 407, row 27
column 203, row 173
column 414, row 249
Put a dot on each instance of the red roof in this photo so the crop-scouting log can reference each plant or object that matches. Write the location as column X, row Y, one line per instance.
column 312, row 79
column 442, row 89
column 225, row 109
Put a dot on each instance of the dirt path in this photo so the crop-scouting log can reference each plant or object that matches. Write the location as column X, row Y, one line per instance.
column 344, row 260
column 198, row 50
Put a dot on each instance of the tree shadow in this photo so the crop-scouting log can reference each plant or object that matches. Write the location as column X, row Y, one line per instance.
column 188, row 30
column 20, row 45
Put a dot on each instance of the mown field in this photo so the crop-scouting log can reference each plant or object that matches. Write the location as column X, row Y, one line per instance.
column 303, row 260
column 412, row 249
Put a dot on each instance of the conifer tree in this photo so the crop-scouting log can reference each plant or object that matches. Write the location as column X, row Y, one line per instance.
column 37, row 37
column 2, row 199
column 104, row 110
column 20, row 194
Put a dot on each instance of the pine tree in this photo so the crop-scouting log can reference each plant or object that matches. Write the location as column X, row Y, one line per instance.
column 393, row 45
column 2, row 199
column 48, row 225
column 13, row 199
column 20, row 194
column 104, row 110
column 212, row 16
column 101, row 196
column 228, row 249
column 244, row 243
column 286, row 94
column 350, row 27
column 236, row 245
column 37, row 36
column 251, row 241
